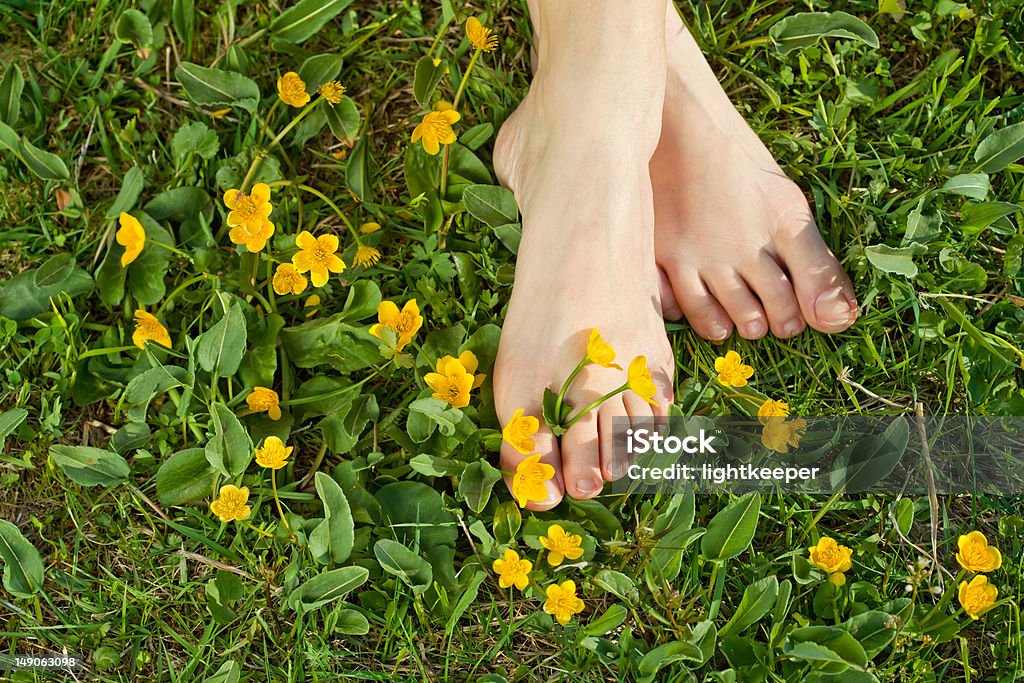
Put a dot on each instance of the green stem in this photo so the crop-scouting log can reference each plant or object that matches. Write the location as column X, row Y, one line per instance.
column 277, row 501
column 595, row 404
column 947, row 595
column 258, row 158
column 181, row 288
column 455, row 106
column 171, row 249
column 567, row 383
column 348, row 224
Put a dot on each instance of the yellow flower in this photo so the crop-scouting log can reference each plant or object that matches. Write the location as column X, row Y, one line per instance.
column 513, row 571
column 231, row 504
column 978, row 596
column 292, row 90
column 436, row 129
column 311, row 303
column 976, row 555
column 562, row 602
column 405, row 323
column 367, row 228
column 520, row 430
column 778, row 434
column 264, row 400
column 731, row 372
column 249, row 218
column 561, row 545
column 528, row 481
column 639, row 380
column 131, row 236
column 366, row 256
column 771, row 409
column 837, row 579
column 601, row 352
column 288, row 280
column 331, row 91
column 148, row 328
column 454, row 379
column 274, row 454
column 830, row 556
column 317, row 256
column 481, row 37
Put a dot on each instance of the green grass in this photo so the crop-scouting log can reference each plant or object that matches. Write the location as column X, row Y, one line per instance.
column 871, row 134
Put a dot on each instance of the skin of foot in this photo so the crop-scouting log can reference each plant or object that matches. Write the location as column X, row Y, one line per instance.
column 576, row 153
column 735, row 240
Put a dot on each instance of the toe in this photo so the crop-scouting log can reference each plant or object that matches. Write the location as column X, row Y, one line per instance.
column 613, row 459
column 778, row 299
column 705, row 315
column 823, row 289
column 547, row 445
column 581, row 458
column 669, row 306
column 734, row 294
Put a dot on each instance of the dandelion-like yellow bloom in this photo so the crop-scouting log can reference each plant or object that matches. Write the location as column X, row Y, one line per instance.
column 332, row 91
column 366, row 256
column 264, row 400
column 436, row 129
column 562, row 602
column 520, row 430
column 288, row 280
column 367, row 228
column 317, row 256
column 405, row 323
column 274, row 454
column 601, row 352
column 249, row 216
column 639, row 380
column 978, row 596
column 778, row 434
column 561, row 545
column 292, row 90
column 230, row 505
column 480, row 37
column 131, row 236
column 528, row 481
column 831, row 557
column 772, row 409
column 148, row 328
column 976, row 555
column 512, row 571
column 731, row 371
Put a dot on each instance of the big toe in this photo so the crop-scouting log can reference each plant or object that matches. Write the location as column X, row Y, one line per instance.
column 546, row 444
column 823, row 289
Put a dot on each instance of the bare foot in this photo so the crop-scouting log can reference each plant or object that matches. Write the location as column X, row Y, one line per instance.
column 734, row 237
column 579, row 168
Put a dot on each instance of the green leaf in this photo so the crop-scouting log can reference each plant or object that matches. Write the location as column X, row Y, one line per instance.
column 193, row 140
column 44, row 164
column 362, row 301
column 327, row 587
column 976, row 217
column 343, row 119
column 185, row 477
column 10, row 94
column 973, row 185
column 305, row 18
column 146, row 273
column 183, row 16
column 438, row 412
column 730, row 531
column 220, row 349
column 131, row 187
column 9, row 421
column 616, row 583
column 351, row 622
column 396, row 559
column 868, row 461
column 416, row 514
column 475, row 137
column 1000, row 148
column 133, row 27
column 829, row 644
column 433, row 466
column 874, row 630
column 357, row 170
column 476, row 484
column 425, row 79
column 229, row 672
column 757, row 601
column 54, row 270
column 895, row 260
column 21, row 299
column 669, row 653
column 23, row 567
column 493, row 205
column 338, row 524
column 510, row 235
column 217, row 87
column 607, row 622
column 807, row 28
column 465, row 601
column 330, row 341
column 230, row 447
column 88, row 466
column 320, row 69
column 149, row 384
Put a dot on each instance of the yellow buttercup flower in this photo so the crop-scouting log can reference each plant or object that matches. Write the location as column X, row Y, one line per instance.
column 436, row 129
column 480, row 37
column 454, row 379
column 520, row 430
column 148, row 328
column 601, row 352
column 230, row 505
column 562, row 602
column 292, row 90
column 772, row 409
column 311, row 304
column 778, row 434
column 731, row 371
column 837, row 579
column 264, row 400
column 366, row 256
column 367, row 228
column 561, row 545
column 831, row 557
column 317, row 256
column 976, row 555
column 528, row 481
column 513, row 571
column 405, row 323
column 274, row 454
column 332, row 91
column 978, row 596
column 249, row 218
column 639, row 380
column 288, row 280
column 131, row 236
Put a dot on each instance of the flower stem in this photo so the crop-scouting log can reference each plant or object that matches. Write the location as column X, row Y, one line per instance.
column 277, row 501
column 260, row 155
column 171, row 249
column 348, row 224
column 595, row 404
column 455, row 106
column 568, row 383
column 947, row 595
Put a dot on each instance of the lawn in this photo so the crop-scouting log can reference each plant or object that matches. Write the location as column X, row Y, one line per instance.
column 368, row 550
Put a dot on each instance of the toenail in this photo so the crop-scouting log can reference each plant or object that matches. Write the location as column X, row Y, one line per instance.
column 618, row 468
column 586, row 485
column 755, row 328
column 718, row 331
column 833, row 308
column 792, row 328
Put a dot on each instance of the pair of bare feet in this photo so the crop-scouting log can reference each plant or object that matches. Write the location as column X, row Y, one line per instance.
column 644, row 195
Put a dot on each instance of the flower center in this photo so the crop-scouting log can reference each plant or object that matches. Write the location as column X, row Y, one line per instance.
column 245, row 205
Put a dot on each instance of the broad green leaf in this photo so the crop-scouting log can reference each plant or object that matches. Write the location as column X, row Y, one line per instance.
column 895, row 260
column 131, row 187
column 331, row 342
column 133, row 27
column 230, row 448
column 509, row 234
column 433, row 466
column 146, row 273
column 976, row 217
column 149, row 384
column 320, row 69
column 475, row 137
column 438, row 412
column 54, row 271
column 229, row 672
column 185, row 477
column 1000, row 148
column 924, row 224
column 607, row 622
column 21, row 299
column 476, row 484
column 669, row 653
column 9, row 421
column 305, row 18
column 830, row 644
column 217, row 87
column 351, row 622
column 507, row 521
column 338, row 525
column 357, row 170
column 396, row 559
column 973, row 185
column 807, row 28
column 731, row 530
column 868, row 461
column 11, row 87
column 416, row 514
column 465, row 601
column 343, row 119
column 23, row 567
column 874, row 630
column 757, row 601
column 183, row 16
column 491, row 204
column 88, row 466
column 193, row 140
column 46, row 165
column 426, row 77
column 616, row 583
column 362, row 301
column 220, row 349
column 327, row 587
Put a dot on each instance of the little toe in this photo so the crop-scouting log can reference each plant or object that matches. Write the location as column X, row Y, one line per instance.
column 613, row 459
column 705, row 315
column 669, row 306
column 778, row 299
column 734, row 294
column 547, row 445
column 823, row 289
column 581, row 458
